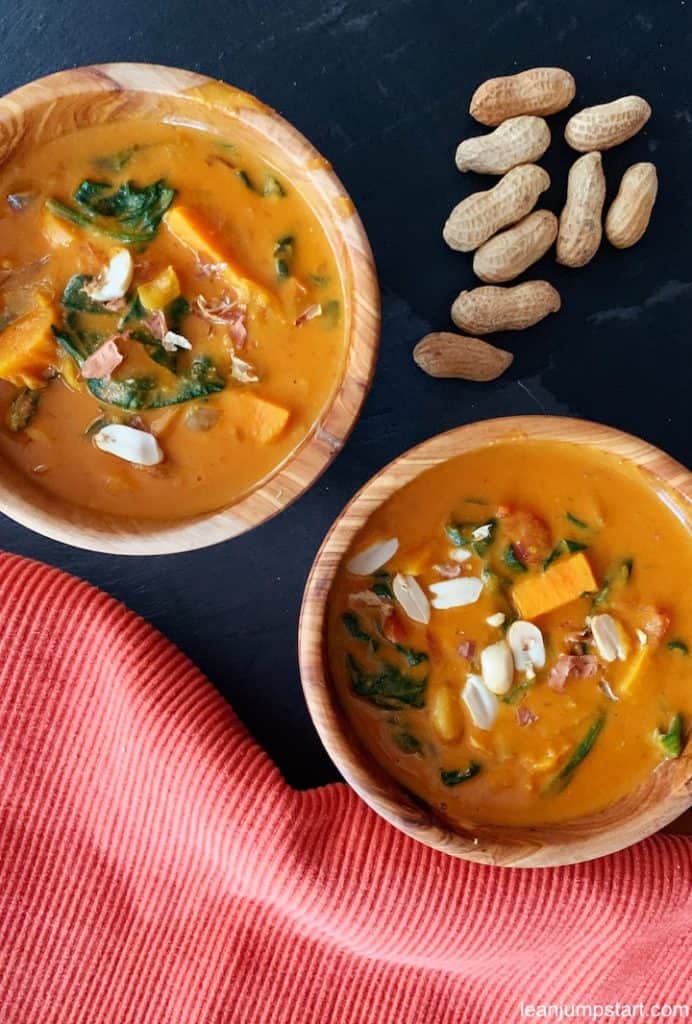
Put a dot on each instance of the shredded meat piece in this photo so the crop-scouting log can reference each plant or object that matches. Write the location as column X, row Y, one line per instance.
column 228, row 313
column 156, row 324
column 467, row 649
column 450, row 570
column 115, row 305
column 103, row 361
column 525, row 716
column 571, row 666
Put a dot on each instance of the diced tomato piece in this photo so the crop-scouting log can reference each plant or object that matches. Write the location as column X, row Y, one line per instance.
column 529, row 535
column 394, row 628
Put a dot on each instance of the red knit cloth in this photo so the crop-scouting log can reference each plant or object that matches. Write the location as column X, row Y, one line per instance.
column 154, row 866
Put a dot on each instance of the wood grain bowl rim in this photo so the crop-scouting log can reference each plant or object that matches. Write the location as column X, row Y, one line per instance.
column 114, row 89
column 665, row 795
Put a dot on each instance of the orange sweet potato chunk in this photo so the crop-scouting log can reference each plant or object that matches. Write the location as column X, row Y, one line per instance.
column 193, row 230
column 258, row 418
column 27, row 347
column 561, row 583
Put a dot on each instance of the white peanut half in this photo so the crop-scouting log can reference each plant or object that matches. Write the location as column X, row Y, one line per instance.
column 519, row 140
column 491, row 308
column 608, row 124
column 475, row 219
column 497, row 667
column 536, row 91
column 508, row 254
column 581, row 230
column 630, row 212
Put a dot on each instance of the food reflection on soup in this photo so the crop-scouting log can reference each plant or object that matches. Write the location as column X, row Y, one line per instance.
column 172, row 319
column 510, row 633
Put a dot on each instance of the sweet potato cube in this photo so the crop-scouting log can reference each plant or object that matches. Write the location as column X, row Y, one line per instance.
column 561, row 583
column 27, row 347
column 192, row 229
column 259, row 418
column 57, row 232
column 160, row 291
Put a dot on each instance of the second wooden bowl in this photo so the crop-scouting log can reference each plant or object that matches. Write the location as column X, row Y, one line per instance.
column 114, row 92
column 664, row 796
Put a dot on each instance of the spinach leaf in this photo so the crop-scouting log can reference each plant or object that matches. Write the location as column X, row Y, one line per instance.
column 454, row 532
column 517, row 692
column 84, row 220
column 175, row 311
column 388, row 688
column 456, row 775
column 116, row 162
column 154, row 348
column 330, row 313
column 408, row 742
column 137, row 209
column 576, row 522
column 134, row 311
column 461, row 535
column 511, row 561
column 671, row 741
column 246, row 180
column 626, row 569
column 74, row 296
column 200, row 380
column 273, row 187
column 566, row 773
column 22, row 409
column 353, row 626
column 383, row 590
column 283, row 254
column 678, row 645
column 601, row 596
column 412, row 657
column 319, row 279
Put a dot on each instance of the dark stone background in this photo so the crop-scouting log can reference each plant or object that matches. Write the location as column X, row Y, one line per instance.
column 383, row 92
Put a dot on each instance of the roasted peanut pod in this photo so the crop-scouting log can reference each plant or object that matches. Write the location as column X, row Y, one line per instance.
column 508, row 254
column 475, row 219
column 519, row 140
column 580, row 231
column 608, row 124
column 490, row 308
column 537, row 91
column 630, row 212
column 445, row 354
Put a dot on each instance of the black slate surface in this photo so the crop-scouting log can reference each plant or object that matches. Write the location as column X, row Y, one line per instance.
column 382, row 90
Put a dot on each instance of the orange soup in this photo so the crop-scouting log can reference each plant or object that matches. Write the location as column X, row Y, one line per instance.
column 510, row 633
column 172, row 319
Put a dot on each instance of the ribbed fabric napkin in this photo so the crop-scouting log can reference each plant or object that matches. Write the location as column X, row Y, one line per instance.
column 154, row 866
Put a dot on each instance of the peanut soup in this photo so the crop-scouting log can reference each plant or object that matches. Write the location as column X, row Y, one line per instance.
column 172, row 321
column 510, row 633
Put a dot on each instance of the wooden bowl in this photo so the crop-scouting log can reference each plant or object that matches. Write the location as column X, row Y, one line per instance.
column 113, row 92
column 664, row 796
